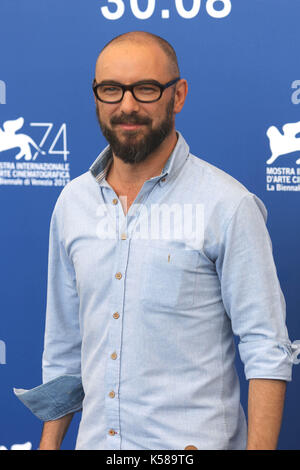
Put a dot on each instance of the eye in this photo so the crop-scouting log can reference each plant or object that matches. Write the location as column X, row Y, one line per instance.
column 110, row 89
column 146, row 89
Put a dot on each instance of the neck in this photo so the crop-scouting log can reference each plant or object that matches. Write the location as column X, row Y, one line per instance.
column 124, row 175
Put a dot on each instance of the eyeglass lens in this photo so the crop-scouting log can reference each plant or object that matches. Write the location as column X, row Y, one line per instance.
column 143, row 92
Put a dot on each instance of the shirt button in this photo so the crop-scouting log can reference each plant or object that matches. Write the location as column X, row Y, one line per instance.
column 115, row 201
column 114, row 355
column 123, row 236
column 111, row 432
column 163, row 179
column 191, row 448
column 112, row 394
column 116, row 315
column 118, row 275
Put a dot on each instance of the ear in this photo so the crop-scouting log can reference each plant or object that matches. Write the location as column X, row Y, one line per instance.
column 180, row 95
column 93, row 84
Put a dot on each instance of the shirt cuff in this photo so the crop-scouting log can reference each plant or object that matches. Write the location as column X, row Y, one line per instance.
column 268, row 359
column 53, row 399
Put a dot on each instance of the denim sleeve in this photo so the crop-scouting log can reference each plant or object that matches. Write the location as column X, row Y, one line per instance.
column 252, row 295
column 61, row 391
column 53, row 399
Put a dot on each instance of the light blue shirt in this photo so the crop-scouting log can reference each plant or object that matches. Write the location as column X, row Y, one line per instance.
column 142, row 309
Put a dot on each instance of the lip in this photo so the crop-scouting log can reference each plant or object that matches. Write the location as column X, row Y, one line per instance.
column 130, row 127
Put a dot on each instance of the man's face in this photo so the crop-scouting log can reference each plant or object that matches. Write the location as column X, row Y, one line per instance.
column 133, row 129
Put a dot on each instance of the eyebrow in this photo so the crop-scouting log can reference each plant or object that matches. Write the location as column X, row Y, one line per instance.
column 114, row 82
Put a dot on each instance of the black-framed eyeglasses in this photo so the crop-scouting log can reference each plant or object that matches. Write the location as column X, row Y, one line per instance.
column 146, row 91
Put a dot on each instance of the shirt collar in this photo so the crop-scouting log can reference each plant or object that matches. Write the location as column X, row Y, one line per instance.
column 100, row 166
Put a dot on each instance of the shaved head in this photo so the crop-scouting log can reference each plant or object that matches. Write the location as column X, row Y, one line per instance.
column 145, row 38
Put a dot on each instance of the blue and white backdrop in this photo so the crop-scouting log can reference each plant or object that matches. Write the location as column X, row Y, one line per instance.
column 241, row 59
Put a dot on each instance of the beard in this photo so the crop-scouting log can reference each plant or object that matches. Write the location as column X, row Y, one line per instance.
column 135, row 149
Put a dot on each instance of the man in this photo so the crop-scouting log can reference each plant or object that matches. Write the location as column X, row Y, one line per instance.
column 140, row 322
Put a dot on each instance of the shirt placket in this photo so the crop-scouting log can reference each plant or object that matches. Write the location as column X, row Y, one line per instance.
column 124, row 228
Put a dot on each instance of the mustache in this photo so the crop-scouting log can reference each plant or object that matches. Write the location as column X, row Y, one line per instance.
column 130, row 119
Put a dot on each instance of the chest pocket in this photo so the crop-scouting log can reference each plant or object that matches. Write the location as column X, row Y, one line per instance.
column 168, row 278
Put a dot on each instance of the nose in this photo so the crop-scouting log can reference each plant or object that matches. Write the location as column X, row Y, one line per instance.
column 129, row 104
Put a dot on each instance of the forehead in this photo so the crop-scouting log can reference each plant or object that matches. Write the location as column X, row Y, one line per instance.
column 129, row 62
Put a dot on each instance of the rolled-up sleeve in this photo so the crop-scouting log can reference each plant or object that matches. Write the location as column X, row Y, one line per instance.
column 252, row 294
column 61, row 391
column 53, row 399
